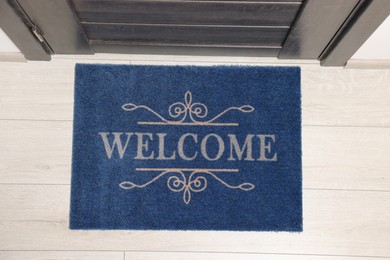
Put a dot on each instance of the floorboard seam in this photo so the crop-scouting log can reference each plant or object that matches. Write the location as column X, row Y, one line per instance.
column 201, row 252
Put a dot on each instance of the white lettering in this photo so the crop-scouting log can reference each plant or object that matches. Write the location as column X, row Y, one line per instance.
column 117, row 143
column 203, row 147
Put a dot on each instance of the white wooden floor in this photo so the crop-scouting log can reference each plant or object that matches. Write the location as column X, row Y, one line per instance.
column 346, row 168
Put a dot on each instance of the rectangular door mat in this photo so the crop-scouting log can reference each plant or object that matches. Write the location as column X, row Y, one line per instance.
column 187, row 148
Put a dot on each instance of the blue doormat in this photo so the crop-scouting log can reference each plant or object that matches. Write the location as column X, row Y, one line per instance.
column 187, row 148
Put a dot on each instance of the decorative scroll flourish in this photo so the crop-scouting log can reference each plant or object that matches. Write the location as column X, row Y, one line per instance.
column 187, row 113
column 180, row 182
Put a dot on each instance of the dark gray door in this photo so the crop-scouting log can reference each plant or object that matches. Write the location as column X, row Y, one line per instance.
column 298, row 29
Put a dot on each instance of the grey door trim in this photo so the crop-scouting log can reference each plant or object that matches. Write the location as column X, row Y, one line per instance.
column 367, row 17
column 14, row 24
column 59, row 25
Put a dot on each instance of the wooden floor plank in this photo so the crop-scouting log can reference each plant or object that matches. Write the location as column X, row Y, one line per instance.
column 330, row 96
column 346, row 158
column 39, row 152
column 61, row 255
column 335, row 223
column 227, row 256
column 35, row 152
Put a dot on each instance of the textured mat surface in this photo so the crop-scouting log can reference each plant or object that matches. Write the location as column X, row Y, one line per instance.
column 187, row 148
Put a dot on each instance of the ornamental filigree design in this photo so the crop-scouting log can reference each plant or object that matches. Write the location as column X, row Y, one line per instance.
column 188, row 113
column 196, row 181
